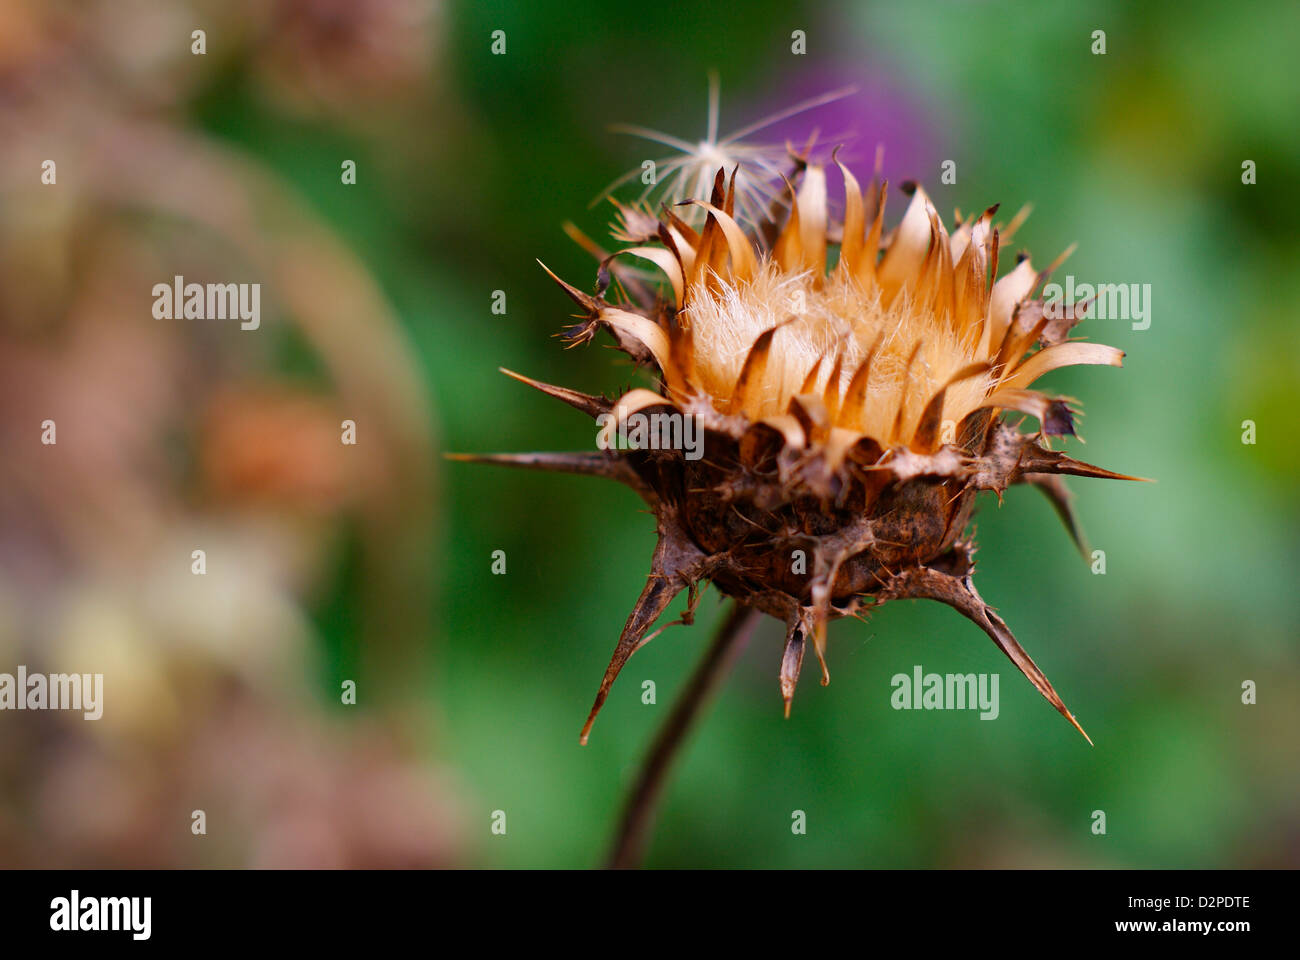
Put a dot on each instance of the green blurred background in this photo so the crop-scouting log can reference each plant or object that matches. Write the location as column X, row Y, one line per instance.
column 468, row 163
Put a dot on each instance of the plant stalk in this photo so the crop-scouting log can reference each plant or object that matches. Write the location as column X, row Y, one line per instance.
column 628, row 849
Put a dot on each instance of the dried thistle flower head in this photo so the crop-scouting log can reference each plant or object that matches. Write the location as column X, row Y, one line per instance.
column 849, row 416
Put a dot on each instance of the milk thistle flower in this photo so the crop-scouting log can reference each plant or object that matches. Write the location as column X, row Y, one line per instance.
column 852, row 406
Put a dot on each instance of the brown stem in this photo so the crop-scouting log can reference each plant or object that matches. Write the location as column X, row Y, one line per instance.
column 639, row 810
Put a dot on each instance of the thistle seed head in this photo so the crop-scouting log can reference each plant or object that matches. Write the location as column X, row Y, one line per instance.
column 851, row 406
